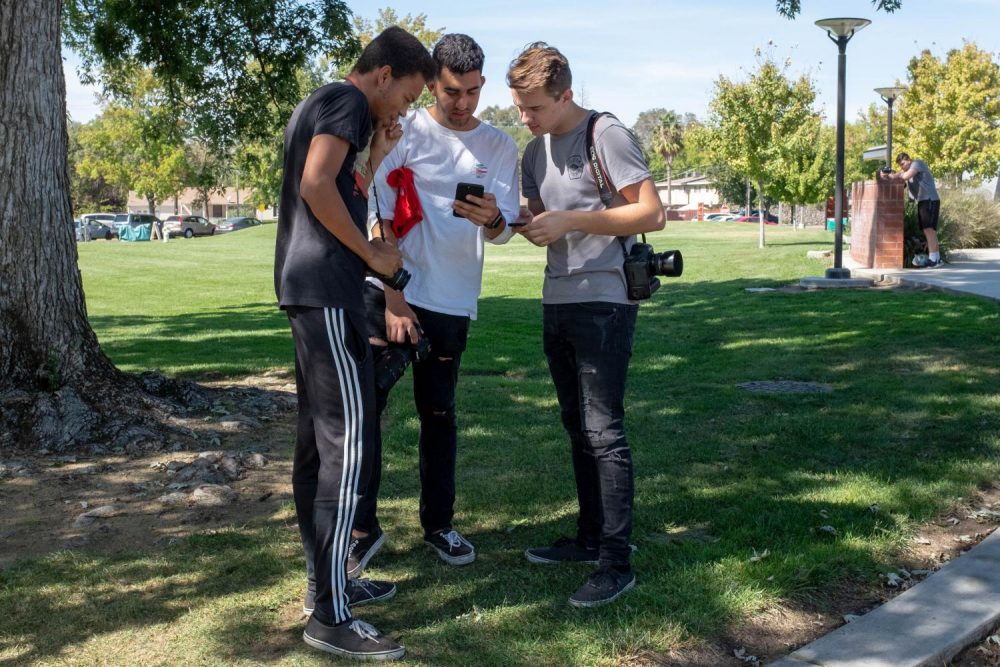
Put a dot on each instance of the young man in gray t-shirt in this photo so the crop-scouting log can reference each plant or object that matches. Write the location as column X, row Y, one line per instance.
column 588, row 322
column 920, row 185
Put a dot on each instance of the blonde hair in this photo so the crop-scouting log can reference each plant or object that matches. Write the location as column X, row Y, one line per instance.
column 540, row 66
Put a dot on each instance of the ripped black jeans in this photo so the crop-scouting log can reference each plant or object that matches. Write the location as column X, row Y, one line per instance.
column 588, row 346
column 434, row 384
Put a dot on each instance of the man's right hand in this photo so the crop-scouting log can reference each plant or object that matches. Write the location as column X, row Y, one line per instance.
column 401, row 324
column 385, row 258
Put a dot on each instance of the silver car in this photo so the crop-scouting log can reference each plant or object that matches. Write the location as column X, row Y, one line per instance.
column 187, row 226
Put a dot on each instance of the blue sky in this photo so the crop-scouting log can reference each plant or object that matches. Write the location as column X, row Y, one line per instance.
column 628, row 55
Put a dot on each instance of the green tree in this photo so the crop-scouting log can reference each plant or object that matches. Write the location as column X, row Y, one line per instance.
column 867, row 131
column 752, row 121
column 206, row 171
column 949, row 115
column 508, row 119
column 791, row 8
column 87, row 194
column 415, row 25
column 668, row 142
column 245, row 48
column 136, row 144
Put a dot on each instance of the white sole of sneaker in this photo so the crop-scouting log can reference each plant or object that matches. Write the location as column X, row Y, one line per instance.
column 452, row 560
column 532, row 558
column 353, row 574
column 581, row 604
column 394, row 654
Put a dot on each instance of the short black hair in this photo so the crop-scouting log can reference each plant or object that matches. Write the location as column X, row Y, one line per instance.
column 459, row 53
column 399, row 50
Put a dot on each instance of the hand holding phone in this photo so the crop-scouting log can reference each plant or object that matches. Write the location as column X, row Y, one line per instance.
column 464, row 189
column 524, row 217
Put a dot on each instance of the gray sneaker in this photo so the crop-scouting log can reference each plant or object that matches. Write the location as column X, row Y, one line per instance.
column 351, row 639
column 361, row 551
column 452, row 547
column 603, row 586
column 360, row 592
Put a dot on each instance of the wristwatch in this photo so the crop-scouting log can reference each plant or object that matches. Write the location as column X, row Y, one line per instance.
column 497, row 221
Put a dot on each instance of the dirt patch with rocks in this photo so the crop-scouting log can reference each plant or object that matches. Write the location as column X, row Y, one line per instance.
column 231, row 464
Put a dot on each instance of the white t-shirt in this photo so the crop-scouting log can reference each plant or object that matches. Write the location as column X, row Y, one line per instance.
column 445, row 253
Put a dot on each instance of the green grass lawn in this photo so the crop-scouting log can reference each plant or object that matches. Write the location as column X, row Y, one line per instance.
column 912, row 424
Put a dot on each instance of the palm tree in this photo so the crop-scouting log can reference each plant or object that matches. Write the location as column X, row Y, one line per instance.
column 668, row 141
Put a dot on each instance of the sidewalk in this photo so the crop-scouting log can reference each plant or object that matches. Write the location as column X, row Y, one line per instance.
column 927, row 625
column 966, row 272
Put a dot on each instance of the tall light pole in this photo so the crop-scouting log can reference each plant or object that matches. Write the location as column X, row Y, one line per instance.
column 889, row 96
column 840, row 32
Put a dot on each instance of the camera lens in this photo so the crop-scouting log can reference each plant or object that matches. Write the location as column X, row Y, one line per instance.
column 669, row 263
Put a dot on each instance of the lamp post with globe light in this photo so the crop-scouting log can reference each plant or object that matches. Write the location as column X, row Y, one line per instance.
column 840, row 31
column 889, row 95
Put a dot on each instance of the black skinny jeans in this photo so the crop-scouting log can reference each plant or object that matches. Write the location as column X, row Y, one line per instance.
column 588, row 346
column 434, row 382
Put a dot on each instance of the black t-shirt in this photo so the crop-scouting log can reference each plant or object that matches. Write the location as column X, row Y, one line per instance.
column 311, row 266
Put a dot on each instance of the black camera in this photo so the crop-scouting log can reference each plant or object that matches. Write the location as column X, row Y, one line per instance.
column 391, row 366
column 396, row 281
column 642, row 265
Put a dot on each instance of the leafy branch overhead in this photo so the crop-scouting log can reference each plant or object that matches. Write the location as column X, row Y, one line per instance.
column 791, row 8
column 220, row 59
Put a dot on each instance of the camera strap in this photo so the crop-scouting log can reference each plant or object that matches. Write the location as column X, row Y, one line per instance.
column 605, row 188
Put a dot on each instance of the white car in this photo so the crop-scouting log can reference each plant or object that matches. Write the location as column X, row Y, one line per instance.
column 187, row 226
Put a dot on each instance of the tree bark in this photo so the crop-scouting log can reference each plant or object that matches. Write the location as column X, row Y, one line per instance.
column 760, row 211
column 57, row 388
column 996, row 190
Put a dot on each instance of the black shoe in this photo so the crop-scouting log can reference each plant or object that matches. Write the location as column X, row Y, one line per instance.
column 452, row 547
column 602, row 587
column 351, row 639
column 565, row 550
column 368, row 591
column 361, row 551
column 359, row 591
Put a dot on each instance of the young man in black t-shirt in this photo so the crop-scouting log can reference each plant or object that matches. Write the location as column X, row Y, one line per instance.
column 321, row 257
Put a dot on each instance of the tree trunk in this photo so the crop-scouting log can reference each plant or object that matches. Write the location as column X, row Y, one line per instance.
column 669, row 183
column 151, row 203
column 57, row 388
column 996, row 190
column 760, row 211
column 45, row 339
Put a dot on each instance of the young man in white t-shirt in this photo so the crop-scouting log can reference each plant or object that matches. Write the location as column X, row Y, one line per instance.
column 443, row 145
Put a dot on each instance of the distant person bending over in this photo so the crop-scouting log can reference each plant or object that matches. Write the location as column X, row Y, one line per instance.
column 321, row 255
column 920, row 185
column 443, row 145
column 588, row 320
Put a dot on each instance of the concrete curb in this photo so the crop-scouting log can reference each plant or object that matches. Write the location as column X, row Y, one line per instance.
column 926, row 625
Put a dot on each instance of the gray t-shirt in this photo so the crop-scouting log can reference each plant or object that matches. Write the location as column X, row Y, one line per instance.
column 921, row 186
column 582, row 267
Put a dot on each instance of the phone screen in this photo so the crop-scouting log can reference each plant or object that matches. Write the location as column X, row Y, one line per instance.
column 463, row 189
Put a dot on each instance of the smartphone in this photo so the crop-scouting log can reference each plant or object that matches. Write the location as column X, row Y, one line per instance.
column 522, row 218
column 463, row 189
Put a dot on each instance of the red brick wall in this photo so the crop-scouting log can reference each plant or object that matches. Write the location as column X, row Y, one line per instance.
column 877, row 224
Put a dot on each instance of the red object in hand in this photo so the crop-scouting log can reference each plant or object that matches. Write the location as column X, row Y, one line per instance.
column 408, row 210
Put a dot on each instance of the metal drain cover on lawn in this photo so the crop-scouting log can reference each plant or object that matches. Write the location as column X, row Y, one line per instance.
column 785, row 387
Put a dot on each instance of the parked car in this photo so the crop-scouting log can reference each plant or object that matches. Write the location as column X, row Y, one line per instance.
column 187, row 226
column 91, row 230
column 719, row 217
column 236, row 224
column 134, row 219
column 769, row 219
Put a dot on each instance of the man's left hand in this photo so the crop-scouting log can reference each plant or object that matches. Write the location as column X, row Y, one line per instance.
column 547, row 227
column 478, row 210
column 384, row 140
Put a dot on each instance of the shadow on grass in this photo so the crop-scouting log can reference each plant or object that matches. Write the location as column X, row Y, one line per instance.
column 909, row 424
